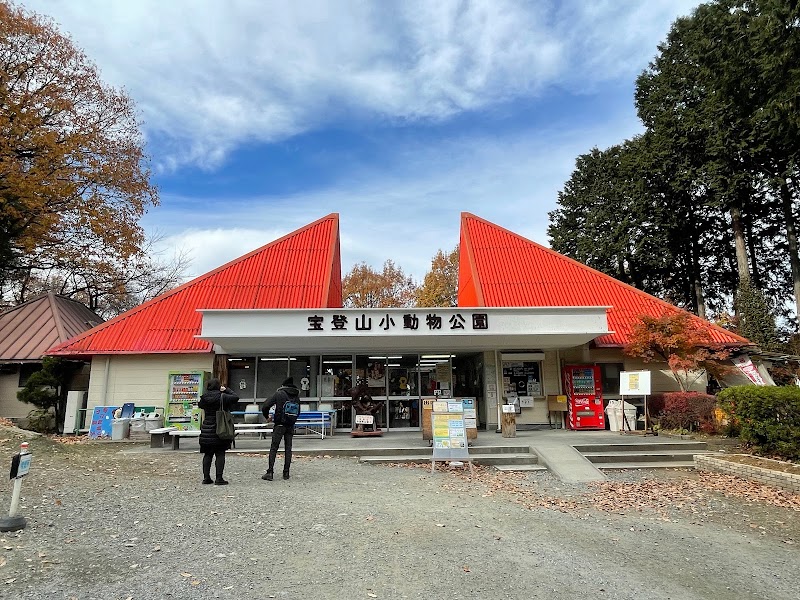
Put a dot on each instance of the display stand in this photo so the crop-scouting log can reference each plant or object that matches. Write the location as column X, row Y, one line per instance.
column 449, row 434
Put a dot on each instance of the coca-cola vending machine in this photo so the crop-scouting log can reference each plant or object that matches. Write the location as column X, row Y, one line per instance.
column 584, row 392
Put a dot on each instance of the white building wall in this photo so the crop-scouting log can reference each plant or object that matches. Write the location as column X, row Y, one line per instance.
column 140, row 378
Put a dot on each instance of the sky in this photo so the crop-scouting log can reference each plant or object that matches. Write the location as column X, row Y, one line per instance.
column 261, row 116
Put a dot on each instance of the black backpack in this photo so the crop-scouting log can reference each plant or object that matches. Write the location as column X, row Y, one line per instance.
column 291, row 408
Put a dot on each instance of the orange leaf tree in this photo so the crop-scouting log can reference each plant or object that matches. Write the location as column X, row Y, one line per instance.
column 363, row 287
column 440, row 285
column 74, row 180
column 680, row 340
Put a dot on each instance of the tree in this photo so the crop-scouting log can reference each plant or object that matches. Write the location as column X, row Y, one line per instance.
column 755, row 319
column 680, row 340
column 364, row 287
column 73, row 175
column 107, row 286
column 722, row 93
column 47, row 389
column 440, row 285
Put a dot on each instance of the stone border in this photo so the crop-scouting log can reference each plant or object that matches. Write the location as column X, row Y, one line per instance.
column 778, row 479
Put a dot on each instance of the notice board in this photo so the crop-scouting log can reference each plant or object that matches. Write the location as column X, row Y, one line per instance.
column 449, row 431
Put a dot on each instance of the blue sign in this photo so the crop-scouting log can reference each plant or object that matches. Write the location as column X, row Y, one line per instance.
column 101, row 422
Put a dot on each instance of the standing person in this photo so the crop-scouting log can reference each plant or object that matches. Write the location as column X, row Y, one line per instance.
column 215, row 398
column 287, row 406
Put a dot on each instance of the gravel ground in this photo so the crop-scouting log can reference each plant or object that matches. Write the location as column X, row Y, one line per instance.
column 106, row 521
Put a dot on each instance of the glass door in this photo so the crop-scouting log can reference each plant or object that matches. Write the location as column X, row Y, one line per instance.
column 402, row 378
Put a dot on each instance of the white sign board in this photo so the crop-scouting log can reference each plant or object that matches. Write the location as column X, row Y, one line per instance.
column 634, row 383
column 509, row 408
column 364, row 419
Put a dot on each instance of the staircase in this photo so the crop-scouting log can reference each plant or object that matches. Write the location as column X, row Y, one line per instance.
column 642, row 455
column 504, row 458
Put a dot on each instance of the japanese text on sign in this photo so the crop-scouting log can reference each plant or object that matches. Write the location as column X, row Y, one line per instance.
column 410, row 322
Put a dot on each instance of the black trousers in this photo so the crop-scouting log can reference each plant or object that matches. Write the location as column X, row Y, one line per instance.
column 281, row 432
column 219, row 463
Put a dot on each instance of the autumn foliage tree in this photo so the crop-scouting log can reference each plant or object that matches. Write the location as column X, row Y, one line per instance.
column 363, row 287
column 440, row 285
column 680, row 340
column 74, row 180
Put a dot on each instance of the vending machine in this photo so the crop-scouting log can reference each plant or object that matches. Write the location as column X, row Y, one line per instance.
column 183, row 394
column 584, row 392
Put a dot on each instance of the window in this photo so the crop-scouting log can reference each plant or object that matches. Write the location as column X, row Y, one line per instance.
column 337, row 376
column 242, row 377
column 26, row 370
column 272, row 371
column 609, row 374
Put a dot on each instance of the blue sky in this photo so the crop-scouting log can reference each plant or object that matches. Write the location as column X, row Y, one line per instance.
column 261, row 117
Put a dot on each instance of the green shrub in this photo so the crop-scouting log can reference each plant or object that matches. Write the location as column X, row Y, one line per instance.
column 768, row 418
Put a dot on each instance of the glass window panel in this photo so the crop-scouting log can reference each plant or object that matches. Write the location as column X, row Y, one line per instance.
column 304, row 370
column 372, row 368
column 336, row 376
column 272, row 371
column 242, row 376
column 609, row 375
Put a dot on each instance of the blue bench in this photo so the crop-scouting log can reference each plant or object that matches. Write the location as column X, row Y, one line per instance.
column 316, row 422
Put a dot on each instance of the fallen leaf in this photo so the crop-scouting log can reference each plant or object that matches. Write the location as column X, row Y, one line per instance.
column 186, row 574
column 466, row 569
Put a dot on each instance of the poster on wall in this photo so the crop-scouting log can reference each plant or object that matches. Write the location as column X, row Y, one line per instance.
column 522, row 378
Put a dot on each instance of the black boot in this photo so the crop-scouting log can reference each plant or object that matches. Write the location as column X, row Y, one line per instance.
column 286, row 474
column 220, row 481
column 267, row 476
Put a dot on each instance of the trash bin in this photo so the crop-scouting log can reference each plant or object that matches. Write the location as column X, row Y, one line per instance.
column 153, row 421
column 612, row 412
column 120, row 429
column 137, row 425
column 630, row 418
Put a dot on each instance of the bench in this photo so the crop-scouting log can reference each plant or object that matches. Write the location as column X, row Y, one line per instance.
column 177, row 434
column 160, row 436
column 262, row 429
column 315, row 422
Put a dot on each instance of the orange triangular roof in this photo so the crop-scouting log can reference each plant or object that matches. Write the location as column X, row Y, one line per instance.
column 500, row 268
column 300, row 270
column 28, row 330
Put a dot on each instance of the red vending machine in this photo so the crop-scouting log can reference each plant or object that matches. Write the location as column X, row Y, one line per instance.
column 584, row 392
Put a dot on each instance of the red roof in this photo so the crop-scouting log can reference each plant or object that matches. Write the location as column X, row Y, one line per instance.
column 300, row 270
column 500, row 268
column 28, row 330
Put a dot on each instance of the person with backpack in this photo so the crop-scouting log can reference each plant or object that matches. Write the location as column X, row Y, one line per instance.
column 287, row 406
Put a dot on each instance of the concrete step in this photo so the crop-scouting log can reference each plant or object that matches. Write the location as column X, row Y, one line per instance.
column 641, row 457
column 510, row 460
column 410, row 451
column 674, row 464
column 643, row 447
column 536, row 467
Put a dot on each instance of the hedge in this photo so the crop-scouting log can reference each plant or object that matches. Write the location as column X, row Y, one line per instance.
column 768, row 418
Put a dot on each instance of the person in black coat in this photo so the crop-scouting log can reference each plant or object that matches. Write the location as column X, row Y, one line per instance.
column 280, row 429
column 217, row 396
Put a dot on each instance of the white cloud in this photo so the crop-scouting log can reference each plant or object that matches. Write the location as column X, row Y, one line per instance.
column 211, row 75
column 408, row 212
